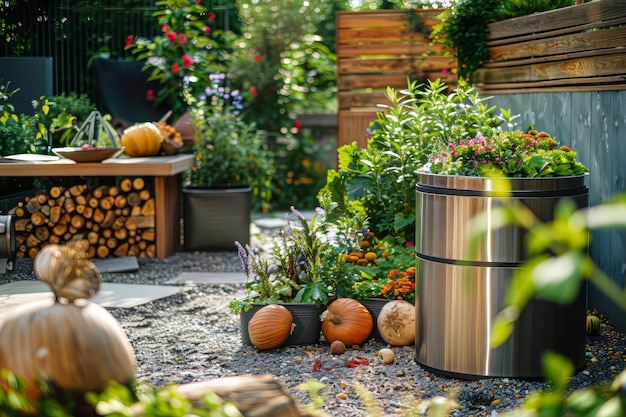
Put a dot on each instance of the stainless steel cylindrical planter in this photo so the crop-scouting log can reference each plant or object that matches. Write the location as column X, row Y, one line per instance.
column 460, row 294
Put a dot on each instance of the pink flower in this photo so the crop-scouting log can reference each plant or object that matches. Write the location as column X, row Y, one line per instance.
column 182, row 39
column 149, row 95
column 197, row 1
column 164, row 28
column 175, row 68
column 207, row 30
column 256, row 57
column 171, row 36
column 187, row 61
column 444, row 71
column 129, row 40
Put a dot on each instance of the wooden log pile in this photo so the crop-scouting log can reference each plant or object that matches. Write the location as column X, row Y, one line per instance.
column 116, row 220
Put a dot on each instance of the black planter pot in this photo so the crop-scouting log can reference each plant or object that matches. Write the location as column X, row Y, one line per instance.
column 306, row 317
column 374, row 306
column 214, row 218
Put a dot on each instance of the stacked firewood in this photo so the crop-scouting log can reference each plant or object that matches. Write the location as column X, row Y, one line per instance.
column 116, row 220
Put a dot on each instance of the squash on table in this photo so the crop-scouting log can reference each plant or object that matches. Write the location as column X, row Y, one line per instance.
column 347, row 320
column 270, row 327
column 143, row 139
column 396, row 323
column 69, row 341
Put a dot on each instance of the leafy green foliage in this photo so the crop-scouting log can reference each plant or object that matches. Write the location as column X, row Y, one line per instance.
column 464, row 26
column 230, row 152
column 418, row 122
column 511, row 154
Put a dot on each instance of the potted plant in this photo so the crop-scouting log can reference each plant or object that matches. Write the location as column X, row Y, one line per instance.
column 294, row 274
column 462, row 282
column 232, row 170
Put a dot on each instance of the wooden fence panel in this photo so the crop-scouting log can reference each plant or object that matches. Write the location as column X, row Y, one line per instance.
column 380, row 49
column 576, row 48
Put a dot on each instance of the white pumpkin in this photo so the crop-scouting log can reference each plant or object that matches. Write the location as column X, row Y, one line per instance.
column 396, row 323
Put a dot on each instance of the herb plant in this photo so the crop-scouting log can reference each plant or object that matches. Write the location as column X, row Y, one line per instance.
column 419, row 121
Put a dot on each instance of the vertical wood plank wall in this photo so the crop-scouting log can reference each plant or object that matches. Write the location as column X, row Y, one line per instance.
column 593, row 123
column 379, row 49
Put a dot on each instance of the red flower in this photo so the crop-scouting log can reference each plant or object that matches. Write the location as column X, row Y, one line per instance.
column 164, row 28
column 207, row 30
column 187, row 61
column 175, row 68
column 253, row 91
column 197, row 1
column 171, row 36
column 297, row 124
column 256, row 57
column 182, row 39
column 129, row 40
column 212, row 16
column 149, row 95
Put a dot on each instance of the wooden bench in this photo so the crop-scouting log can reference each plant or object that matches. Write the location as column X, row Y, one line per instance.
column 165, row 170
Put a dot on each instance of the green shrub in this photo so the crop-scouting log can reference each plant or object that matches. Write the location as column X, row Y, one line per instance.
column 381, row 179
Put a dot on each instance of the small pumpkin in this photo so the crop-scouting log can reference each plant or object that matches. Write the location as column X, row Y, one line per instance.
column 593, row 325
column 270, row 327
column 346, row 320
column 73, row 343
column 143, row 139
column 396, row 323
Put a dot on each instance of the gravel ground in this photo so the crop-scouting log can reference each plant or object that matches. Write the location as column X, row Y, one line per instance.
column 193, row 336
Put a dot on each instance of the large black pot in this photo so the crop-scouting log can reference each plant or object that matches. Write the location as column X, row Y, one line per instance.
column 306, row 317
column 214, row 218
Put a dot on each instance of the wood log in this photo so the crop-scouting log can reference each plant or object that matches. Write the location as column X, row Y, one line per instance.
column 59, row 229
column 38, row 218
column 109, row 218
column 121, row 234
column 107, row 203
column 254, row 396
column 133, row 199
column 148, row 234
column 144, row 195
column 77, row 189
column 69, row 205
column 32, row 241
column 42, row 233
column 55, row 192
column 138, row 183
column 42, row 198
column 120, row 201
column 148, row 208
column 21, row 225
column 102, row 252
column 122, row 250
column 126, row 185
column 143, row 222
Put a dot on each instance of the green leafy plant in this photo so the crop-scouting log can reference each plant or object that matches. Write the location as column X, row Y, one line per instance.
column 420, row 120
column 511, row 154
column 188, row 49
column 295, row 270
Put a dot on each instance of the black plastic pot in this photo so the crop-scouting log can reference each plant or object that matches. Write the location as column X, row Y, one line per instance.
column 214, row 218
column 306, row 317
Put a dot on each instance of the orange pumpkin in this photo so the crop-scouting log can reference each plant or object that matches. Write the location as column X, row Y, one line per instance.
column 143, row 139
column 346, row 320
column 270, row 327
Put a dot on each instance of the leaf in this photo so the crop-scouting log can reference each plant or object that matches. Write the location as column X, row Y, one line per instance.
column 557, row 369
column 558, row 278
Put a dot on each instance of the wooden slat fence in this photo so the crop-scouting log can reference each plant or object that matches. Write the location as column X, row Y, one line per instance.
column 378, row 49
column 576, row 48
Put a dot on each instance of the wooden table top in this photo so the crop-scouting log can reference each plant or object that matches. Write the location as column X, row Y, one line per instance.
column 153, row 166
